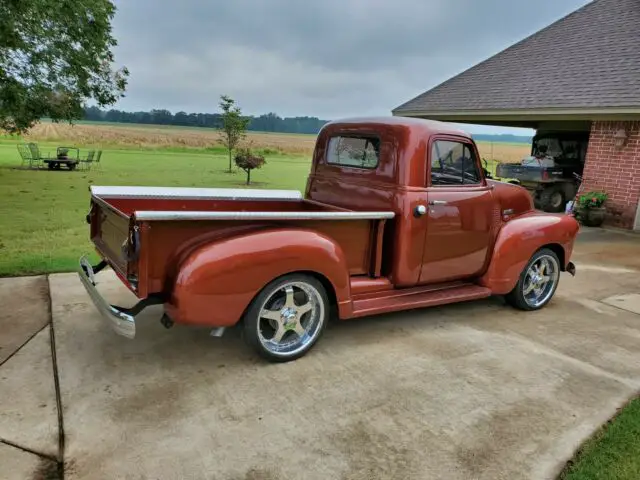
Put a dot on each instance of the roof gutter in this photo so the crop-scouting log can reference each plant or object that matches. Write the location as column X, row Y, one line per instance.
column 534, row 114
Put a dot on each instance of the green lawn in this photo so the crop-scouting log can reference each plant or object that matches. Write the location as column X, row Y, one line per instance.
column 42, row 226
column 613, row 453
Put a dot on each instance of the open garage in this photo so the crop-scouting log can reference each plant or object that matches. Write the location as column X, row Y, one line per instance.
column 580, row 75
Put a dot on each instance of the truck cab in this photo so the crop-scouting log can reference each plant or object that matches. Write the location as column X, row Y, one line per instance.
column 396, row 214
column 429, row 175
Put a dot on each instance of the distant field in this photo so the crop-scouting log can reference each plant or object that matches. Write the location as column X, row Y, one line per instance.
column 157, row 136
column 114, row 135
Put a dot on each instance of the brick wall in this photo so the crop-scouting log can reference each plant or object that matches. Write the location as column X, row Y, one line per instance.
column 615, row 171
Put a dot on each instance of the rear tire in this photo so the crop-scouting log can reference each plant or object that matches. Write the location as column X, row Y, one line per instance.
column 286, row 319
column 552, row 199
column 537, row 283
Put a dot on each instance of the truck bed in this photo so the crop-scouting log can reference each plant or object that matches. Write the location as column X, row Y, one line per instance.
column 164, row 223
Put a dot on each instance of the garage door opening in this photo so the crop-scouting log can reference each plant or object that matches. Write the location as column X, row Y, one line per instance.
column 552, row 170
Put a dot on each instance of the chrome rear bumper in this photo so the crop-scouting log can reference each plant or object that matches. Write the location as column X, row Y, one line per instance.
column 123, row 323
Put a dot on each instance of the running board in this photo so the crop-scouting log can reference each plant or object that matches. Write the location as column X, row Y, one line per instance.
column 418, row 299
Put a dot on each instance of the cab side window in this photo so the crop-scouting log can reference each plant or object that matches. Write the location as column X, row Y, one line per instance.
column 453, row 163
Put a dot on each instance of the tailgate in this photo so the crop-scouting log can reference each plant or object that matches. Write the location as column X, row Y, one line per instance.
column 109, row 232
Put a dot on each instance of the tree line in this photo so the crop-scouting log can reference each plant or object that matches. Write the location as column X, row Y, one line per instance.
column 269, row 122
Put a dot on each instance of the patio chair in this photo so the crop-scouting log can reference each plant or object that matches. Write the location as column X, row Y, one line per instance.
column 85, row 163
column 37, row 158
column 25, row 154
column 96, row 159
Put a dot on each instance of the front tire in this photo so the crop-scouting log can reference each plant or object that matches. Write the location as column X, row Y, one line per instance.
column 286, row 319
column 537, row 283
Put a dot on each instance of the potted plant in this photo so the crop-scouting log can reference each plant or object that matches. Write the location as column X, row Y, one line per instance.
column 590, row 209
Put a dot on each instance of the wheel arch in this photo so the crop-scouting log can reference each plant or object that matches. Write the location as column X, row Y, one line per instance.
column 519, row 239
column 559, row 251
column 326, row 283
column 231, row 272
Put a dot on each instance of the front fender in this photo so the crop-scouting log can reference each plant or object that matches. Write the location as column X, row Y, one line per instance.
column 216, row 282
column 519, row 239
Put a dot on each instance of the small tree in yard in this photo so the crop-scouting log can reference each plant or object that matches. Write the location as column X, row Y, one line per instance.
column 247, row 161
column 234, row 126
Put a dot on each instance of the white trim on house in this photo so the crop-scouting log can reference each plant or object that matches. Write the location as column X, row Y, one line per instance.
column 523, row 113
column 526, row 118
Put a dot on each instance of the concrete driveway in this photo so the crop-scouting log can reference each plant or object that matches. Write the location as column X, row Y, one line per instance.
column 474, row 390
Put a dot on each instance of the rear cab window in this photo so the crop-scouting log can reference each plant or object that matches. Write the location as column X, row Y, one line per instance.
column 354, row 151
column 454, row 163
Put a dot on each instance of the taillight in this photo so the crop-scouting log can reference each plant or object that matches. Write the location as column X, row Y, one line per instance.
column 545, row 175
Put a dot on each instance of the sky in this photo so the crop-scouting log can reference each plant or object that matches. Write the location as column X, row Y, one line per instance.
column 328, row 59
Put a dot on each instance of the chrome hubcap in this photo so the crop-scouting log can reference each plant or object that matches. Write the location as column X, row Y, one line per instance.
column 540, row 280
column 290, row 318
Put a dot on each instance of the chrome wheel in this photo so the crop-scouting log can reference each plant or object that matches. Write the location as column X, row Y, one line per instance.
column 540, row 280
column 290, row 319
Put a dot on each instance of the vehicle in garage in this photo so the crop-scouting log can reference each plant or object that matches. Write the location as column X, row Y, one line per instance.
column 549, row 172
column 396, row 215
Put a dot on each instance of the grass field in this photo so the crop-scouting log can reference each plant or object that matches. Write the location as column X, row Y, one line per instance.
column 42, row 226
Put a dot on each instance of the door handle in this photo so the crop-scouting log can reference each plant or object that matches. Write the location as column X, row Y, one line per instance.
column 437, row 202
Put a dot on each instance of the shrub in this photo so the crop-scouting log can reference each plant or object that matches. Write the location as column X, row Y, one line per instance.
column 248, row 160
column 592, row 200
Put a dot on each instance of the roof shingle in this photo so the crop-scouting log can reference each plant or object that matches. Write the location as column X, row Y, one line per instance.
column 590, row 58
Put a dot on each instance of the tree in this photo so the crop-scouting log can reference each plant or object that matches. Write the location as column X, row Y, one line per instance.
column 54, row 56
column 247, row 161
column 234, row 126
column 162, row 116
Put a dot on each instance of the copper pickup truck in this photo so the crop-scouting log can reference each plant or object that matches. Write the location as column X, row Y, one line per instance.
column 397, row 214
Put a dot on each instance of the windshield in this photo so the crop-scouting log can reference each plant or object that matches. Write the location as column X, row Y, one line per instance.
column 546, row 146
column 569, row 149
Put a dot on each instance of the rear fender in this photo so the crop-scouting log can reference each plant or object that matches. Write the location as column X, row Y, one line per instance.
column 519, row 239
column 216, row 282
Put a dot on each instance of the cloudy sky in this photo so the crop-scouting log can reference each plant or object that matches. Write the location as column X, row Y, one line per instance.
column 329, row 58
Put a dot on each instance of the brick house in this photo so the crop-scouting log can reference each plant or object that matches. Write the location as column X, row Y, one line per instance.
column 581, row 73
